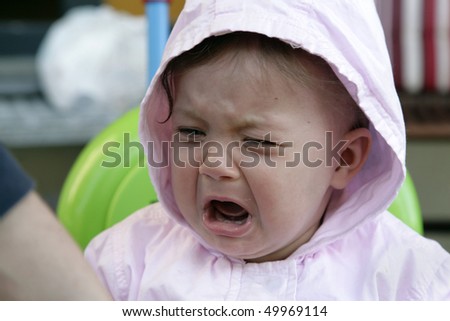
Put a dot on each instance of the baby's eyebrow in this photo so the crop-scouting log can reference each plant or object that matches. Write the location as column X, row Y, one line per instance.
column 250, row 121
column 247, row 121
column 188, row 112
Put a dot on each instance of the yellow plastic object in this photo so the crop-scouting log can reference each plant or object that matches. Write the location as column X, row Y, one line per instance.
column 175, row 9
column 406, row 206
column 135, row 7
column 108, row 181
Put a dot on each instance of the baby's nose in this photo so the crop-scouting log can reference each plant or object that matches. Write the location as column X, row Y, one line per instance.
column 218, row 163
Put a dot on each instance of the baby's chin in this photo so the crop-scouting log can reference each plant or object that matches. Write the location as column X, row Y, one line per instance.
column 261, row 255
column 249, row 254
column 234, row 249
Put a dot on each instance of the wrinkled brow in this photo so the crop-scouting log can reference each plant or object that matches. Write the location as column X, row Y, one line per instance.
column 247, row 121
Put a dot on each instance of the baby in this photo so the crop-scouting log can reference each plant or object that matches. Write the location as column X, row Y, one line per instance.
column 284, row 143
column 268, row 102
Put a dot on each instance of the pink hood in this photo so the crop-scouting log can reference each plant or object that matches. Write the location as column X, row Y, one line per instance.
column 349, row 36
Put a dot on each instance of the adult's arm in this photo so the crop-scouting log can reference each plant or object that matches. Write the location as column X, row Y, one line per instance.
column 38, row 258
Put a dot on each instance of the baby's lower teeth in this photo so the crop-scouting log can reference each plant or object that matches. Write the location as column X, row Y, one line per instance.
column 228, row 219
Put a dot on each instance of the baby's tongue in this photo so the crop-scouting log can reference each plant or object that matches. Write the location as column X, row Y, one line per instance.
column 227, row 219
column 229, row 209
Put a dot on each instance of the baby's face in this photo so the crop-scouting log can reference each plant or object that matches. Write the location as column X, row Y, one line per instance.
column 251, row 174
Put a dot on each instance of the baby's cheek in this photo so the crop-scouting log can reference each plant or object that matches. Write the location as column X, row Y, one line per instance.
column 183, row 186
column 185, row 156
column 182, row 177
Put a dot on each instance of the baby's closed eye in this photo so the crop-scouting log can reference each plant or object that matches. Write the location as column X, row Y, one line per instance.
column 254, row 142
column 191, row 134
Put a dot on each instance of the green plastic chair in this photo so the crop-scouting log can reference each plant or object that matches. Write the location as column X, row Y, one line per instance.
column 97, row 194
column 406, row 206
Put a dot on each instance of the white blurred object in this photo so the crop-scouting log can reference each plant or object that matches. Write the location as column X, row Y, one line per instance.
column 94, row 57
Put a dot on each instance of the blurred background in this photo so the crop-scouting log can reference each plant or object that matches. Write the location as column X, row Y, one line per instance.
column 68, row 68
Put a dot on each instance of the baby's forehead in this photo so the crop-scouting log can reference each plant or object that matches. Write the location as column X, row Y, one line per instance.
column 265, row 61
column 269, row 53
column 302, row 69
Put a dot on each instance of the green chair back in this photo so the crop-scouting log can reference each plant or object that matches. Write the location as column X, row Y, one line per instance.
column 406, row 206
column 108, row 181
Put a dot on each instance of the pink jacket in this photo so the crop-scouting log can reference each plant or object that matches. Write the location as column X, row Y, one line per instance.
column 360, row 252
